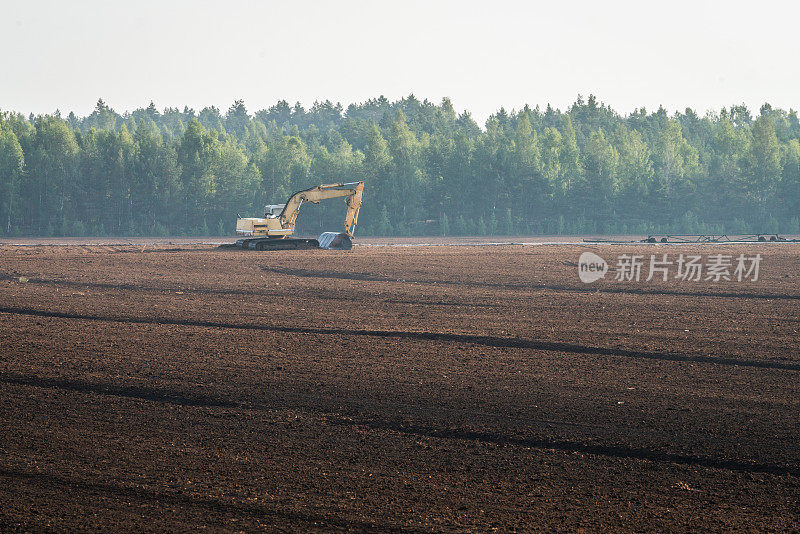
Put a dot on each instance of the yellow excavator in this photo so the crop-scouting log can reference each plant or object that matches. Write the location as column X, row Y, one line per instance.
column 272, row 231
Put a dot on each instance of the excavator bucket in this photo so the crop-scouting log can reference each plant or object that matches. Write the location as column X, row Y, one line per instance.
column 335, row 241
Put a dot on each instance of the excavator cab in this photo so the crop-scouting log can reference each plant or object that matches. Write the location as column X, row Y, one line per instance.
column 273, row 211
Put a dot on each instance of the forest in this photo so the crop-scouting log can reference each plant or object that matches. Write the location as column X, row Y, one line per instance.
column 428, row 170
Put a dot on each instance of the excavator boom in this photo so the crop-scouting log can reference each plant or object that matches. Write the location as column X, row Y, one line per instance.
column 352, row 191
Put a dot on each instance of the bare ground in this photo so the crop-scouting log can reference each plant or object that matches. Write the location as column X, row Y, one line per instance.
column 179, row 386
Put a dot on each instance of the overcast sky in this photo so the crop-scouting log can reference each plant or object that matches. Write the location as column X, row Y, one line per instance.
column 482, row 55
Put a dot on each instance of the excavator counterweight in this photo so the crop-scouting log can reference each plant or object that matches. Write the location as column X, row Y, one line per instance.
column 272, row 231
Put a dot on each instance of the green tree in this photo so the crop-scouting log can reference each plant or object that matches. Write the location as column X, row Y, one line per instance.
column 198, row 152
column 12, row 163
column 237, row 119
column 600, row 184
column 790, row 185
column 156, row 185
column 285, row 166
column 764, row 165
column 676, row 165
column 634, row 174
column 51, row 170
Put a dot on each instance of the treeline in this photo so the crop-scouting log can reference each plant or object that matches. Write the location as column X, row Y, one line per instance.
column 428, row 170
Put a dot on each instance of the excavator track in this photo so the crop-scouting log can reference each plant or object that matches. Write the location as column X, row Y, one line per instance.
column 266, row 243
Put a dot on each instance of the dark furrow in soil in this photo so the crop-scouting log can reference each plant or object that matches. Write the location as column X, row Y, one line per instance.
column 318, row 293
column 613, row 451
column 376, row 423
column 133, row 392
column 306, row 273
column 485, row 340
column 182, row 499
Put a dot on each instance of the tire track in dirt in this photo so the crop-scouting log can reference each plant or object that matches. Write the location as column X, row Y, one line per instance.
column 135, row 287
column 184, row 398
column 331, row 295
column 318, row 293
column 133, row 392
column 611, row 451
column 199, row 501
column 484, row 340
column 410, row 428
column 307, row 273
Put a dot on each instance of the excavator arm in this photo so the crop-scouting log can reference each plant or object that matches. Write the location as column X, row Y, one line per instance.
column 353, row 206
column 352, row 191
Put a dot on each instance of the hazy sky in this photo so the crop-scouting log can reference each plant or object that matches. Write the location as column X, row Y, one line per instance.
column 483, row 55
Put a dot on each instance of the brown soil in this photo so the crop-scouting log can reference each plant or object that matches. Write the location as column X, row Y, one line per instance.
column 174, row 387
